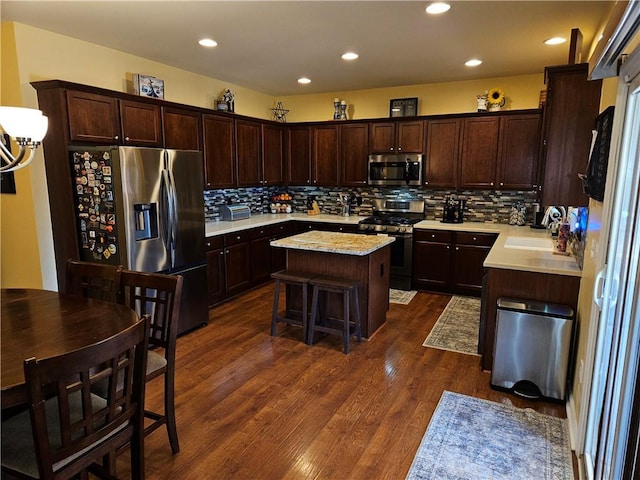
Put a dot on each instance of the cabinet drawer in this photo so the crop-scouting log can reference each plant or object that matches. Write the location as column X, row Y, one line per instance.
column 443, row 236
column 214, row 243
column 280, row 230
column 236, row 237
column 260, row 232
column 482, row 239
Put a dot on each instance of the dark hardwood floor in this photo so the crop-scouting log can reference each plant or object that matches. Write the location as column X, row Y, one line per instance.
column 252, row 406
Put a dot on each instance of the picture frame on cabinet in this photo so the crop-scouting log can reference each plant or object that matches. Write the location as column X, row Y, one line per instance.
column 403, row 107
column 148, row 86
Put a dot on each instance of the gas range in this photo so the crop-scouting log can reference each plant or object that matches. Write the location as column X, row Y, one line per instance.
column 393, row 216
column 386, row 224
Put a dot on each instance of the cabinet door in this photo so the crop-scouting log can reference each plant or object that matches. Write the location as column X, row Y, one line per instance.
column 249, row 153
column 382, row 139
column 432, row 257
column 478, row 163
column 238, row 267
column 441, row 164
column 324, row 165
column 470, row 251
column 410, row 137
column 518, row 156
column 299, row 156
column 279, row 255
column 573, row 103
column 272, row 150
column 93, row 118
column 141, row 124
column 354, row 149
column 260, row 255
column 219, row 152
column 182, row 129
column 215, row 275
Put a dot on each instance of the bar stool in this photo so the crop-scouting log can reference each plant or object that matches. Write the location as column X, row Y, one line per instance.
column 301, row 316
column 343, row 327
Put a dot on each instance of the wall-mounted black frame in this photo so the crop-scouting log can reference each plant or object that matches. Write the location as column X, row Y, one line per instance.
column 403, row 107
column 594, row 181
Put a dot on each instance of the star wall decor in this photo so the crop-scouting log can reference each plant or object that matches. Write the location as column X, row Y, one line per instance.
column 280, row 113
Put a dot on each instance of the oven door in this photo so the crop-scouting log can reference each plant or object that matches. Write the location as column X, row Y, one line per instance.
column 401, row 260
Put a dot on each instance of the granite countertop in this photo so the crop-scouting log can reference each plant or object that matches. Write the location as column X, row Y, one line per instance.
column 335, row 242
column 507, row 258
column 221, row 227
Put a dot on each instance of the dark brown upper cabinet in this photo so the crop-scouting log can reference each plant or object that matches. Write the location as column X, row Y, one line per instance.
column 219, row 152
column 479, row 155
column 182, row 129
column 249, row 153
column 397, row 137
column 324, row 156
column 518, row 155
column 93, row 118
column 298, row 155
column 443, row 153
column 272, row 154
column 354, row 154
column 141, row 124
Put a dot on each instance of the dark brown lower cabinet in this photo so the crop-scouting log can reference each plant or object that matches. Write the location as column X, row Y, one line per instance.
column 450, row 262
column 216, row 281
column 241, row 260
column 260, row 255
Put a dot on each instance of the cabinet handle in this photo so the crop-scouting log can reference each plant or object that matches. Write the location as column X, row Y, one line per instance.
column 126, row 139
column 221, row 252
column 238, row 237
column 457, row 248
column 399, row 149
column 501, row 184
column 474, row 239
column 226, row 251
column 208, row 244
column 433, row 235
column 116, row 137
column 492, row 184
column 448, row 247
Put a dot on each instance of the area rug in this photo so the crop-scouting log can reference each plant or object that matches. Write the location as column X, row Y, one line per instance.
column 473, row 439
column 402, row 297
column 458, row 327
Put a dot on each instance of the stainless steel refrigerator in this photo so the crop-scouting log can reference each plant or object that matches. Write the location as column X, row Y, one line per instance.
column 144, row 208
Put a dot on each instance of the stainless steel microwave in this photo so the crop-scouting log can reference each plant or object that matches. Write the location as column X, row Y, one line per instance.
column 395, row 169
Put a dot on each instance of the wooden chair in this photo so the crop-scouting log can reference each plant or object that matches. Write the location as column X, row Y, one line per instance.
column 93, row 280
column 159, row 296
column 67, row 429
column 290, row 317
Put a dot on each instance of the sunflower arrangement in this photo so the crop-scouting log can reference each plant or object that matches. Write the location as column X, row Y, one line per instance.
column 495, row 97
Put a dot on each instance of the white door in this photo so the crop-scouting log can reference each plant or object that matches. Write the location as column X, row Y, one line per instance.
column 618, row 341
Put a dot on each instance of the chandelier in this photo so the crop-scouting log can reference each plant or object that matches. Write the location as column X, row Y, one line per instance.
column 27, row 127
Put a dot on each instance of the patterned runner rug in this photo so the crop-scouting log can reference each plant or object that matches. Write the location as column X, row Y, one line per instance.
column 473, row 439
column 403, row 297
column 458, row 327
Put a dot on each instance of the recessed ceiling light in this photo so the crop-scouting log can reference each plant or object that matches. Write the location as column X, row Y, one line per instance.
column 474, row 62
column 304, row 80
column 349, row 56
column 207, row 42
column 555, row 41
column 437, row 8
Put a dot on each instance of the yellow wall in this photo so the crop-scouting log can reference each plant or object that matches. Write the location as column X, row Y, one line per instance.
column 19, row 253
column 437, row 98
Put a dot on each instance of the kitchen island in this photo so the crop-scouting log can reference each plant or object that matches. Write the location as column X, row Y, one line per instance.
column 365, row 258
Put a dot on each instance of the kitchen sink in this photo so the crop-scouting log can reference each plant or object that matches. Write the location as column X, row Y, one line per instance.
column 528, row 243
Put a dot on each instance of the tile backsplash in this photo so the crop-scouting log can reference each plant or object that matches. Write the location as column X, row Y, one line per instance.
column 481, row 206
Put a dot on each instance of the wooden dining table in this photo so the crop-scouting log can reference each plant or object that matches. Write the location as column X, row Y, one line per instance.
column 42, row 323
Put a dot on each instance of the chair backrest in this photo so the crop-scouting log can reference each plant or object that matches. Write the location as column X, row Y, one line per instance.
column 159, row 296
column 93, row 280
column 82, row 427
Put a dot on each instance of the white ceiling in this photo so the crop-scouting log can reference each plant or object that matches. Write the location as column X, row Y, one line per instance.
column 267, row 45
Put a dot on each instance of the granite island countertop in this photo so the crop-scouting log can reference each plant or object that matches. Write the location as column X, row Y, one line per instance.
column 335, row 242
column 503, row 257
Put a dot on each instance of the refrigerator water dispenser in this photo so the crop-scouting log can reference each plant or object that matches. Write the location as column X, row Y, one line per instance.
column 146, row 216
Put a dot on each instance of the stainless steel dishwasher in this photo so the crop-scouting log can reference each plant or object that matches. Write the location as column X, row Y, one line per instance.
column 532, row 347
